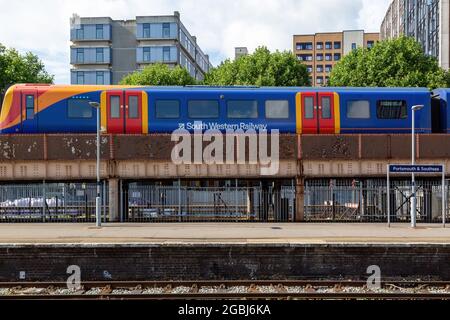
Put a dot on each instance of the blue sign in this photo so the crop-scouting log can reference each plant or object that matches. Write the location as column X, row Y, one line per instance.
column 416, row 169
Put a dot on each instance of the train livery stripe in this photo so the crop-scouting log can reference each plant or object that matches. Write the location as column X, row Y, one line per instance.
column 337, row 114
column 7, row 104
column 298, row 106
column 103, row 106
column 144, row 112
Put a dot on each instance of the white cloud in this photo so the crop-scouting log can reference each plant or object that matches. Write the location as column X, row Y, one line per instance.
column 220, row 25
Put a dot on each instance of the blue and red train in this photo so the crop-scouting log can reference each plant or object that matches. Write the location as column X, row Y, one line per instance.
column 31, row 109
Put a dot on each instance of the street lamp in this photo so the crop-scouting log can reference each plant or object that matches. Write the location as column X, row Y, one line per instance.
column 413, row 162
column 98, row 219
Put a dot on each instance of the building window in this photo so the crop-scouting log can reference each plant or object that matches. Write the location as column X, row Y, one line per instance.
column 309, row 68
column 337, row 45
column 337, row 56
column 166, row 54
column 99, row 55
column 277, row 109
column 100, row 77
column 358, row 109
column 146, row 30
column 80, row 55
column 242, row 109
column 146, row 55
column 328, row 68
column 392, row 109
column 319, row 68
column 319, row 80
column 328, row 57
column 80, row 77
column 328, row 45
column 167, row 109
column 370, row 44
column 319, row 46
column 80, row 33
column 304, row 46
column 319, row 57
column 77, row 108
column 99, row 31
column 29, row 103
column 203, row 109
column 166, row 30
column 353, row 46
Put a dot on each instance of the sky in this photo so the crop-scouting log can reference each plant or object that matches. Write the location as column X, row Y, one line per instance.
column 43, row 26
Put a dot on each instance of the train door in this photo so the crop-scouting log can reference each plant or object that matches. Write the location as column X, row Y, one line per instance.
column 133, row 112
column 124, row 112
column 326, row 113
column 29, row 111
column 317, row 113
column 310, row 123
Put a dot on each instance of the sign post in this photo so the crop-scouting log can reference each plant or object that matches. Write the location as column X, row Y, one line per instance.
column 415, row 169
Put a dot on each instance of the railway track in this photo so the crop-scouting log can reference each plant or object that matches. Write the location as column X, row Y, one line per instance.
column 226, row 290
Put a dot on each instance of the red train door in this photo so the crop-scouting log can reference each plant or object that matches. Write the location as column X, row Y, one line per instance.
column 115, row 111
column 124, row 112
column 310, row 122
column 133, row 112
column 326, row 113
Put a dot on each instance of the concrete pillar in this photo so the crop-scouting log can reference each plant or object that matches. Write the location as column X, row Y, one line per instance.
column 114, row 196
column 300, row 200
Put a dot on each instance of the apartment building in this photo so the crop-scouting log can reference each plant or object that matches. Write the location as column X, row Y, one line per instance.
column 425, row 20
column 321, row 51
column 103, row 51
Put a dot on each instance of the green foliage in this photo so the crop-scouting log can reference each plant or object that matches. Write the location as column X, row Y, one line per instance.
column 261, row 68
column 159, row 75
column 17, row 68
column 391, row 63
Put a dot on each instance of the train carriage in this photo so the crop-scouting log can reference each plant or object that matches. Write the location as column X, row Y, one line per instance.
column 32, row 108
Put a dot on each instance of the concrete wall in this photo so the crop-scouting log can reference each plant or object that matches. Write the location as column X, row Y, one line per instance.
column 123, row 49
column 223, row 261
column 444, row 34
column 350, row 37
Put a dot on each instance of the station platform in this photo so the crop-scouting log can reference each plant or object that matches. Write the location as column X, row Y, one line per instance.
column 211, row 233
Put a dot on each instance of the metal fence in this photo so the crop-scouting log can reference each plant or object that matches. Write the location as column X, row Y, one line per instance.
column 366, row 200
column 61, row 202
column 187, row 204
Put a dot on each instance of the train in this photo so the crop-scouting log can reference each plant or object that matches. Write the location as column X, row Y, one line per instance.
column 47, row 109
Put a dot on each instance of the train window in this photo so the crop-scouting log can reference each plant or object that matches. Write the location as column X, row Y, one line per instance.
column 167, row 109
column 114, row 107
column 29, row 102
column 326, row 108
column 242, row 109
column 309, row 108
column 277, row 109
column 203, row 109
column 358, row 109
column 79, row 108
column 392, row 109
column 133, row 110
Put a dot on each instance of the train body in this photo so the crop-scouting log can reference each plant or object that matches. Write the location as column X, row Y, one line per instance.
column 31, row 109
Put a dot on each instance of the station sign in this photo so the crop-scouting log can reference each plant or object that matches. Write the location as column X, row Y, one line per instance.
column 416, row 169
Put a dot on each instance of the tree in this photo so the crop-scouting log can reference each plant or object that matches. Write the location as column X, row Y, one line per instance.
column 17, row 68
column 262, row 68
column 398, row 62
column 159, row 75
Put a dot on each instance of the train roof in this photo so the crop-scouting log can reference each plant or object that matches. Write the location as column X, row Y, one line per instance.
column 77, row 88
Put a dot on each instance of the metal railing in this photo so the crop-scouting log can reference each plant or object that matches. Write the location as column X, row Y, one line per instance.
column 53, row 202
column 366, row 201
column 188, row 204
